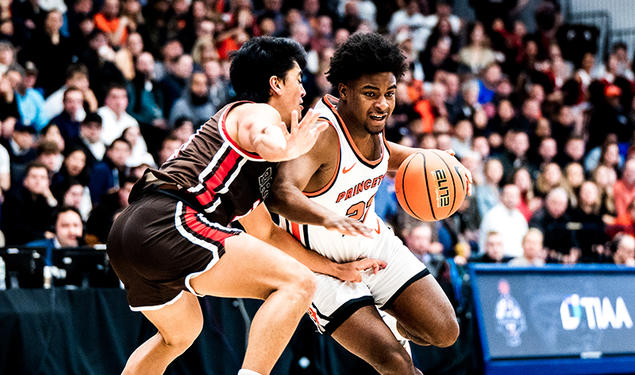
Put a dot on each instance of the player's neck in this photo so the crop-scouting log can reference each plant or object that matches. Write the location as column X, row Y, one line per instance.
column 356, row 129
column 365, row 141
column 275, row 103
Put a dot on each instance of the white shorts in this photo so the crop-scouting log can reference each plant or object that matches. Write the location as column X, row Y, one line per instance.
column 336, row 300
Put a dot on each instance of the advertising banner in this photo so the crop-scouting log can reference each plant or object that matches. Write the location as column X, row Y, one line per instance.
column 555, row 311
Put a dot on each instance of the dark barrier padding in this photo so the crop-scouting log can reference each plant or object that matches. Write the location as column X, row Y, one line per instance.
column 92, row 331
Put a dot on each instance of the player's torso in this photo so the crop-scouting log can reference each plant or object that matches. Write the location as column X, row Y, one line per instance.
column 350, row 192
column 225, row 180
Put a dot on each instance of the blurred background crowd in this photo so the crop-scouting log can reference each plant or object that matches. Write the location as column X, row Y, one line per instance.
column 92, row 92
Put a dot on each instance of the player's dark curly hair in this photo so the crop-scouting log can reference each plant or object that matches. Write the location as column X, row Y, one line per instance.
column 259, row 59
column 365, row 53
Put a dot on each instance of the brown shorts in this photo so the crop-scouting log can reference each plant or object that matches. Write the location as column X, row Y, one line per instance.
column 158, row 244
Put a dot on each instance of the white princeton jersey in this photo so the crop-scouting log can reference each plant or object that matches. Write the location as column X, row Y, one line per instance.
column 350, row 192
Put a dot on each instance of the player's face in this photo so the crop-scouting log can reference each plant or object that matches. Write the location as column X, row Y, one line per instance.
column 370, row 100
column 292, row 93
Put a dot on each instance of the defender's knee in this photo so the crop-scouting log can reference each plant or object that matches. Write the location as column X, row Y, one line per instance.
column 301, row 285
column 181, row 341
column 308, row 284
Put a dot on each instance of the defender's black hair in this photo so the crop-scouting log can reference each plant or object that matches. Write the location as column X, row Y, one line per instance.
column 259, row 59
column 362, row 54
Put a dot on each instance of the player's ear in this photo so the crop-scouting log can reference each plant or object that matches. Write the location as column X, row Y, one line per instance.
column 274, row 85
column 342, row 90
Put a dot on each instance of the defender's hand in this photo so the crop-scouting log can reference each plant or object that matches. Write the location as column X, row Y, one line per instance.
column 351, row 271
column 348, row 226
column 304, row 134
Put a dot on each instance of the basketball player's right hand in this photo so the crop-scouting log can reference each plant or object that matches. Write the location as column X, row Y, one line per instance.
column 303, row 134
column 466, row 173
column 351, row 271
column 347, row 226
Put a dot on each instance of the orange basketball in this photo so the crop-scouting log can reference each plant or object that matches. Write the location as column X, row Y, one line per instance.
column 429, row 185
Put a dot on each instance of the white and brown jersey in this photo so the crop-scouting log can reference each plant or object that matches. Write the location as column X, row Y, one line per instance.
column 219, row 178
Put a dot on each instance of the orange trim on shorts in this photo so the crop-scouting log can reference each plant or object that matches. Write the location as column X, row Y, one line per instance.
column 327, row 99
column 295, row 230
column 337, row 169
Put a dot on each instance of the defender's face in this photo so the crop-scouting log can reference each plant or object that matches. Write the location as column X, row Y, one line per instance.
column 292, row 93
column 370, row 99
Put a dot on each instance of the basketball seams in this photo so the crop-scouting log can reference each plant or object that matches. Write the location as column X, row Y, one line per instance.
column 435, row 182
column 403, row 186
column 453, row 182
column 458, row 173
column 425, row 175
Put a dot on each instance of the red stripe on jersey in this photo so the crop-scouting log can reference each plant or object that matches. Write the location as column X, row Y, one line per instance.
column 205, row 197
column 217, row 178
column 202, row 229
column 295, row 229
column 223, row 128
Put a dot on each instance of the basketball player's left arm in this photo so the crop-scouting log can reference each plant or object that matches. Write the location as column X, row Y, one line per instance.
column 259, row 224
column 399, row 153
column 259, row 129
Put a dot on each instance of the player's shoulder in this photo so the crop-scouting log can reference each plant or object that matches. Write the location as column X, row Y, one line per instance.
column 326, row 148
column 326, row 106
column 255, row 110
column 329, row 137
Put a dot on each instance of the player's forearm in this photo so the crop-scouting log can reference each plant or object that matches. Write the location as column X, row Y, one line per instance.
column 399, row 153
column 288, row 201
column 314, row 261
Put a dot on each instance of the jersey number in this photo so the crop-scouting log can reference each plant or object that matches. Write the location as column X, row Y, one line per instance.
column 359, row 210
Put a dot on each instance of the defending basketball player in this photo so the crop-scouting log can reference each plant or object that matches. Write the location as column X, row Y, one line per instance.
column 335, row 182
column 175, row 242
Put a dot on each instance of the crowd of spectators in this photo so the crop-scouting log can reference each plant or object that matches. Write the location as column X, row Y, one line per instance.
column 92, row 92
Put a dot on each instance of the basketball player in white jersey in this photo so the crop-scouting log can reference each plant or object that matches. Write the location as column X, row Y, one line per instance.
column 330, row 190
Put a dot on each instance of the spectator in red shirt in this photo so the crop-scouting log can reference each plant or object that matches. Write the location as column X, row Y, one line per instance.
column 624, row 190
column 624, row 223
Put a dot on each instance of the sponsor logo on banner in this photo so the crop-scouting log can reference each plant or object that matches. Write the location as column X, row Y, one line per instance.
column 600, row 313
column 510, row 319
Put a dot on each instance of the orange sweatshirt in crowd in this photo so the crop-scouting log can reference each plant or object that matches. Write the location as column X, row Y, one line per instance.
column 110, row 26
